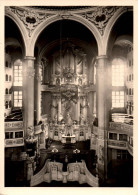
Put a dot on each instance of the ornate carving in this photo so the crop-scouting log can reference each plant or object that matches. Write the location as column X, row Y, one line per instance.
column 9, row 125
column 38, row 76
column 30, row 18
column 30, row 73
column 68, row 73
column 30, row 135
column 69, row 93
column 101, row 154
column 65, row 14
column 100, row 16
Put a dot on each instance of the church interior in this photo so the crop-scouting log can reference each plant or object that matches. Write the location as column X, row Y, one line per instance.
column 68, row 96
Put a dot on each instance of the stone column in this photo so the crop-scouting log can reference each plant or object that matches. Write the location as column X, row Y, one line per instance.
column 94, row 103
column 28, row 92
column 78, row 109
column 54, row 109
column 75, row 63
column 83, row 64
column 53, row 65
column 103, row 112
column 84, row 109
column 38, row 92
column 59, row 108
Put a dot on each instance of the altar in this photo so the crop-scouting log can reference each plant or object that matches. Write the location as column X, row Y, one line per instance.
column 68, row 96
column 67, row 139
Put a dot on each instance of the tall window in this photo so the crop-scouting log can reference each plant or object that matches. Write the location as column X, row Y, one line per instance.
column 6, row 77
column 6, row 91
column 17, row 98
column 6, row 105
column 18, row 73
column 117, row 72
column 117, row 99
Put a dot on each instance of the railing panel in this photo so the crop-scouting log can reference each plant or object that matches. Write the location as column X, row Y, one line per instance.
column 15, row 124
column 14, row 142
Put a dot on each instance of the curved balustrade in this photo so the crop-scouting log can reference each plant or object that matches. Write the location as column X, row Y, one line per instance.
column 90, row 179
column 39, row 177
column 75, row 172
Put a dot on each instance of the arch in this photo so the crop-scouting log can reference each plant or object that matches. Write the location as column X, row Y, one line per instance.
column 76, row 18
column 111, row 24
column 20, row 26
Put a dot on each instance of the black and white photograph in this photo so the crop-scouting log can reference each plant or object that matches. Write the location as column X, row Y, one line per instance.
column 68, row 96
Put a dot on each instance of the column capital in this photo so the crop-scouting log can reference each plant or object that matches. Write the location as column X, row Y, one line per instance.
column 29, row 58
column 101, row 57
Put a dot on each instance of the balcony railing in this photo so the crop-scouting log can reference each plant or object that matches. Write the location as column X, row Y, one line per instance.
column 121, row 145
column 121, row 127
column 14, row 142
column 15, row 124
column 117, row 144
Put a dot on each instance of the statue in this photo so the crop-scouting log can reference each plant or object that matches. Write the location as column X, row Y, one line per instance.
column 56, row 118
column 68, row 119
column 82, row 119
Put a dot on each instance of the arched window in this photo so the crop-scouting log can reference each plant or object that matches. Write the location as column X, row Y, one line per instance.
column 10, row 78
column 10, row 104
column 118, row 72
column 10, row 91
column 6, row 91
column 7, row 64
column 81, row 133
column 6, row 105
column 6, row 77
column 17, row 73
column 129, row 91
column 56, row 133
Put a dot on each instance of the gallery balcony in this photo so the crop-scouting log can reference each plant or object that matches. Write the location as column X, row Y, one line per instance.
column 120, row 136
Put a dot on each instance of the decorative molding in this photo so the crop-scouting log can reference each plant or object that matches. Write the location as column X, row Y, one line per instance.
column 101, row 154
column 65, row 14
column 9, row 125
column 121, row 127
column 14, row 142
column 38, row 77
column 30, row 18
column 100, row 16
column 30, row 73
